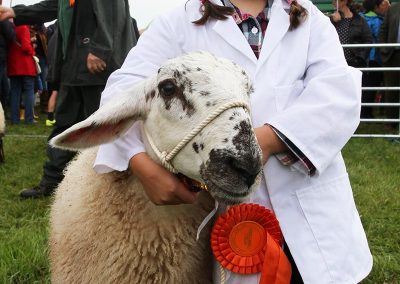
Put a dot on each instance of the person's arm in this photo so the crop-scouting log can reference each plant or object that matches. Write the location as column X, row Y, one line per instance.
column 335, row 17
column 7, row 30
column 160, row 185
column 326, row 113
column 135, row 28
column 24, row 40
column 110, row 16
column 44, row 11
column 384, row 36
column 366, row 38
column 269, row 142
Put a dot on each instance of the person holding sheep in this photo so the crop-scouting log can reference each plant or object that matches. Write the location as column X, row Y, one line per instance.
column 305, row 107
column 302, row 118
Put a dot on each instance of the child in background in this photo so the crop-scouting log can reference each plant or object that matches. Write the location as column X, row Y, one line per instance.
column 22, row 72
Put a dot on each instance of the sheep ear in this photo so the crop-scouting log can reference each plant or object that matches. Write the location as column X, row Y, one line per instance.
column 107, row 124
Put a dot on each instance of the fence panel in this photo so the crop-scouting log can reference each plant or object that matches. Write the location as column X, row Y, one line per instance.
column 380, row 104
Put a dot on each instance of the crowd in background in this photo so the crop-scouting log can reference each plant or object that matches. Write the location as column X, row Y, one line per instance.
column 23, row 71
column 27, row 54
column 366, row 24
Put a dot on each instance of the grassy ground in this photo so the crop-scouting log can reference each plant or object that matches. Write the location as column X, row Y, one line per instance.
column 373, row 165
column 23, row 223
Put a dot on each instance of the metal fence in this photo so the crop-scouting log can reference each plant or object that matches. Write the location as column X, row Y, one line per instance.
column 381, row 120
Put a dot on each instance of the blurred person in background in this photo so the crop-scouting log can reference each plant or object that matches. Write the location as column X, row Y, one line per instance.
column 94, row 37
column 352, row 29
column 39, row 32
column 390, row 33
column 7, row 35
column 374, row 13
column 52, row 74
column 22, row 71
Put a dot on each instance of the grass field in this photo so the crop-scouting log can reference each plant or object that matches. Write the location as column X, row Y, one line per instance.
column 373, row 165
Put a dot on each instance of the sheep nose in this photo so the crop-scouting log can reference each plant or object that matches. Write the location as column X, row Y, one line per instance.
column 247, row 171
column 248, row 178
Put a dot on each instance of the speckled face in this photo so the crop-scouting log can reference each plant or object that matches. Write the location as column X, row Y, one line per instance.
column 231, row 171
column 225, row 154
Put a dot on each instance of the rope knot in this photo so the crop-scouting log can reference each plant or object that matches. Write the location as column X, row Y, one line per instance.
column 165, row 162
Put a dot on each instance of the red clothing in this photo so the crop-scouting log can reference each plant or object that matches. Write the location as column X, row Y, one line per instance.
column 19, row 59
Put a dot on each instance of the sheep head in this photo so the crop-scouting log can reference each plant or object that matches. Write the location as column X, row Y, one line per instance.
column 224, row 154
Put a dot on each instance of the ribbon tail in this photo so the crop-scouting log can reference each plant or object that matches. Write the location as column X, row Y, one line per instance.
column 206, row 220
column 276, row 266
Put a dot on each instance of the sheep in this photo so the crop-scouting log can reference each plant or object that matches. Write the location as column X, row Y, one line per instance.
column 104, row 229
column 2, row 131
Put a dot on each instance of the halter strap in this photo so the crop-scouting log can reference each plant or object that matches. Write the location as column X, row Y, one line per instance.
column 166, row 158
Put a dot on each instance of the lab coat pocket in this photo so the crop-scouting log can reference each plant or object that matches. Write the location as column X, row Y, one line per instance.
column 335, row 224
column 287, row 94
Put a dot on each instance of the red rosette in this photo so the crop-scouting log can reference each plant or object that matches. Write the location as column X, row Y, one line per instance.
column 239, row 237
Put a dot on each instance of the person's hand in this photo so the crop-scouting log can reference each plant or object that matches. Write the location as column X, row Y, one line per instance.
column 6, row 13
column 95, row 64
column 269, row 142
column 336, row 16
column 161, row 186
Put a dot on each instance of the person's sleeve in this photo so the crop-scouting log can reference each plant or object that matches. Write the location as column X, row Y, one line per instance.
column 326, row 113
column 383, row 36
column 101, row 42
column 294, row 157
column 44, row 11
column 135, row 28
column 8, row 30
column 367, row 38
column 111, row 19
column 24, row 38
column 155, row 46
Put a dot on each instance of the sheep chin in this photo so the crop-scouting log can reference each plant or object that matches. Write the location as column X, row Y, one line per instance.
column 226, row 195
column 229, row 200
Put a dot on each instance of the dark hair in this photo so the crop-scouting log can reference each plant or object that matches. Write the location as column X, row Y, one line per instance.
column 39, row 28
column 370, row 5
column 210, row 10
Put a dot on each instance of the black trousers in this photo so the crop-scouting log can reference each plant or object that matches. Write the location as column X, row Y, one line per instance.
column 370, row 79
column 392, row 79
column 296, row 277
column 74, row 104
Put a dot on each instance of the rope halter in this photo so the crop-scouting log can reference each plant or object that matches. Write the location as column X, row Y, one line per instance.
column 166, row 158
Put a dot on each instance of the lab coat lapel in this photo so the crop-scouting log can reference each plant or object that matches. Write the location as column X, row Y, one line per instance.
column 278, row 26
column 230, row 32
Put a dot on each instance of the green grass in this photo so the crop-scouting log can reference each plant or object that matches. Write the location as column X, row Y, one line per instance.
column 373, row 165
column 23, row 223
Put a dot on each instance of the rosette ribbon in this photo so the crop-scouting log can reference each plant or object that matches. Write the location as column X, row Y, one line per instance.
column 247, row 239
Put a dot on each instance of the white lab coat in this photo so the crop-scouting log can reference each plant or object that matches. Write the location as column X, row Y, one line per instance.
column 304, row 88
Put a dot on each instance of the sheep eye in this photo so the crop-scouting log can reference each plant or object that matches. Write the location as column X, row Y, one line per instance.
column 167, row 88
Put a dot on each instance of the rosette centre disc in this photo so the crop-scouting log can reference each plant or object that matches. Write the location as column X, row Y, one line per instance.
column 247, row 238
